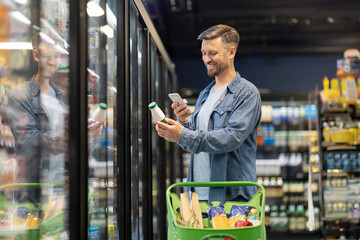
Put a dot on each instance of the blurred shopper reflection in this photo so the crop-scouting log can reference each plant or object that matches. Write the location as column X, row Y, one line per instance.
column 36, row 114
column 38, row 120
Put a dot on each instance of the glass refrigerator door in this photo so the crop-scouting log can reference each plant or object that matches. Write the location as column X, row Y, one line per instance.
column 102, row 21
column 33, row 107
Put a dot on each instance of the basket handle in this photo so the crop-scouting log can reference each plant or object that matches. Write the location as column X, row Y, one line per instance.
column 217, row 184
column 30, row 185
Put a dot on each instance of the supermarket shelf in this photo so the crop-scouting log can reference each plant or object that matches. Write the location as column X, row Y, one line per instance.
column 339, row 114
column 340, row 173
column 335, row 174
column 337, row 146
column 269, row 147
column 336, row 221
column 293, row 235
column 344, row 75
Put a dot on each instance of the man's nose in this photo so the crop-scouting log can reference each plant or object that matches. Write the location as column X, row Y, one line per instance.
column 206, row 59
column 52, row 60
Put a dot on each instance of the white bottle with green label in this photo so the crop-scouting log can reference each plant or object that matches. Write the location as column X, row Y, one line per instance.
column 156, row 112
column 99, row 113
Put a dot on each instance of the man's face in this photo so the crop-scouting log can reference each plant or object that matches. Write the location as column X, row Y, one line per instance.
column 48, row 59
column 215, row 56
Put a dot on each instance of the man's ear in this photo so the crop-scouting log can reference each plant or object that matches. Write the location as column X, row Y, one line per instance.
column 232, row 52
column 36, row 55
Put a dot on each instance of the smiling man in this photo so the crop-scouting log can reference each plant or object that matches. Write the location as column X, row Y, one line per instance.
column 221, row 132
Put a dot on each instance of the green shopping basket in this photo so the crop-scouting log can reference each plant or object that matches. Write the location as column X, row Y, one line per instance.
column 49, row 227
column 52, row 225
column 178, row 232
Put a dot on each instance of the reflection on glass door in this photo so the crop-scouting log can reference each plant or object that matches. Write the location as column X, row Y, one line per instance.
column 33, row 113
column 102, row 21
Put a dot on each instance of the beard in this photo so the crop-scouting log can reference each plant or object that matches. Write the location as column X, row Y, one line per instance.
column 220, row 67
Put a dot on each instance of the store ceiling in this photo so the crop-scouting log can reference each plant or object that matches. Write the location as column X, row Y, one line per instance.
column 265, row 26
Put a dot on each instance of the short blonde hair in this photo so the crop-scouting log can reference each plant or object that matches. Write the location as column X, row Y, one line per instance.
column 229, row 35
column 35, row 41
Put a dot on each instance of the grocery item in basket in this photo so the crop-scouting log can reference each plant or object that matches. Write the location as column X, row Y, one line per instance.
column 195, row 207
column 187, row 215
column 32, row 221
column 243, row 223
column 218, row 217
column 254, row 222
column 22, row 212
column 252, row 215
column 236, row 213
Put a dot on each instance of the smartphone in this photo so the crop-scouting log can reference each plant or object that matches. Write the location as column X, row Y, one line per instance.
column 175, row 97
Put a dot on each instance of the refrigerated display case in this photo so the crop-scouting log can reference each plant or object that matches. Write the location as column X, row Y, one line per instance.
column 284, row 161
column 34, row 61
column 102, row 85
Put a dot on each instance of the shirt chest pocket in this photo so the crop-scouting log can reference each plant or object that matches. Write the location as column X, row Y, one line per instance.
column 220, row 117
column 42, row 120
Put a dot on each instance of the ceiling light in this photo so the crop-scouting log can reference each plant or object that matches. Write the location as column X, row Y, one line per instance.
column 61, row 50
column 188, row 5
column 20, row 17
column 21, row 1
column 294, row 20
column 307, row 22
column 94, row 10
column 16, row 45
column 330, row 20
column 110, row 16
column 273, row 20
column 44, row 37
column 91, row 72
column 107, row 30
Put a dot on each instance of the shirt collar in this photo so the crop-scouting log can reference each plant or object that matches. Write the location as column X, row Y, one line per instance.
column 35, row 88
column 34, row 85
column 231, row 86
column 234, row 82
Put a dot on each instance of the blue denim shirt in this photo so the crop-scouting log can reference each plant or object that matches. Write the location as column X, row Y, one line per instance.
column 230, row 140
column 30, row 126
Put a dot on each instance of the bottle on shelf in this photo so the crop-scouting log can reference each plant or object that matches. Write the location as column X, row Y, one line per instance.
column 300, row 218
column 274, row 218
column 267, row 215
column 283, row 218
column 292, row 218
column 260, row 137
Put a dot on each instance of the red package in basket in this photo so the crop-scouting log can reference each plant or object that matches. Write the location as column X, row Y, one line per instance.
column 243, row 223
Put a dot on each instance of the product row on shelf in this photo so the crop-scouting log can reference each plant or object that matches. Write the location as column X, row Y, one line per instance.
column 342, row 199
column 287, row 165
column 291, row 218
column 268, row 136
column 286, row 192
column 342, row 160
column 283, row 114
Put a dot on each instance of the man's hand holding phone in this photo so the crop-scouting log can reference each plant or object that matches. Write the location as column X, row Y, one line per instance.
column 180, row 107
